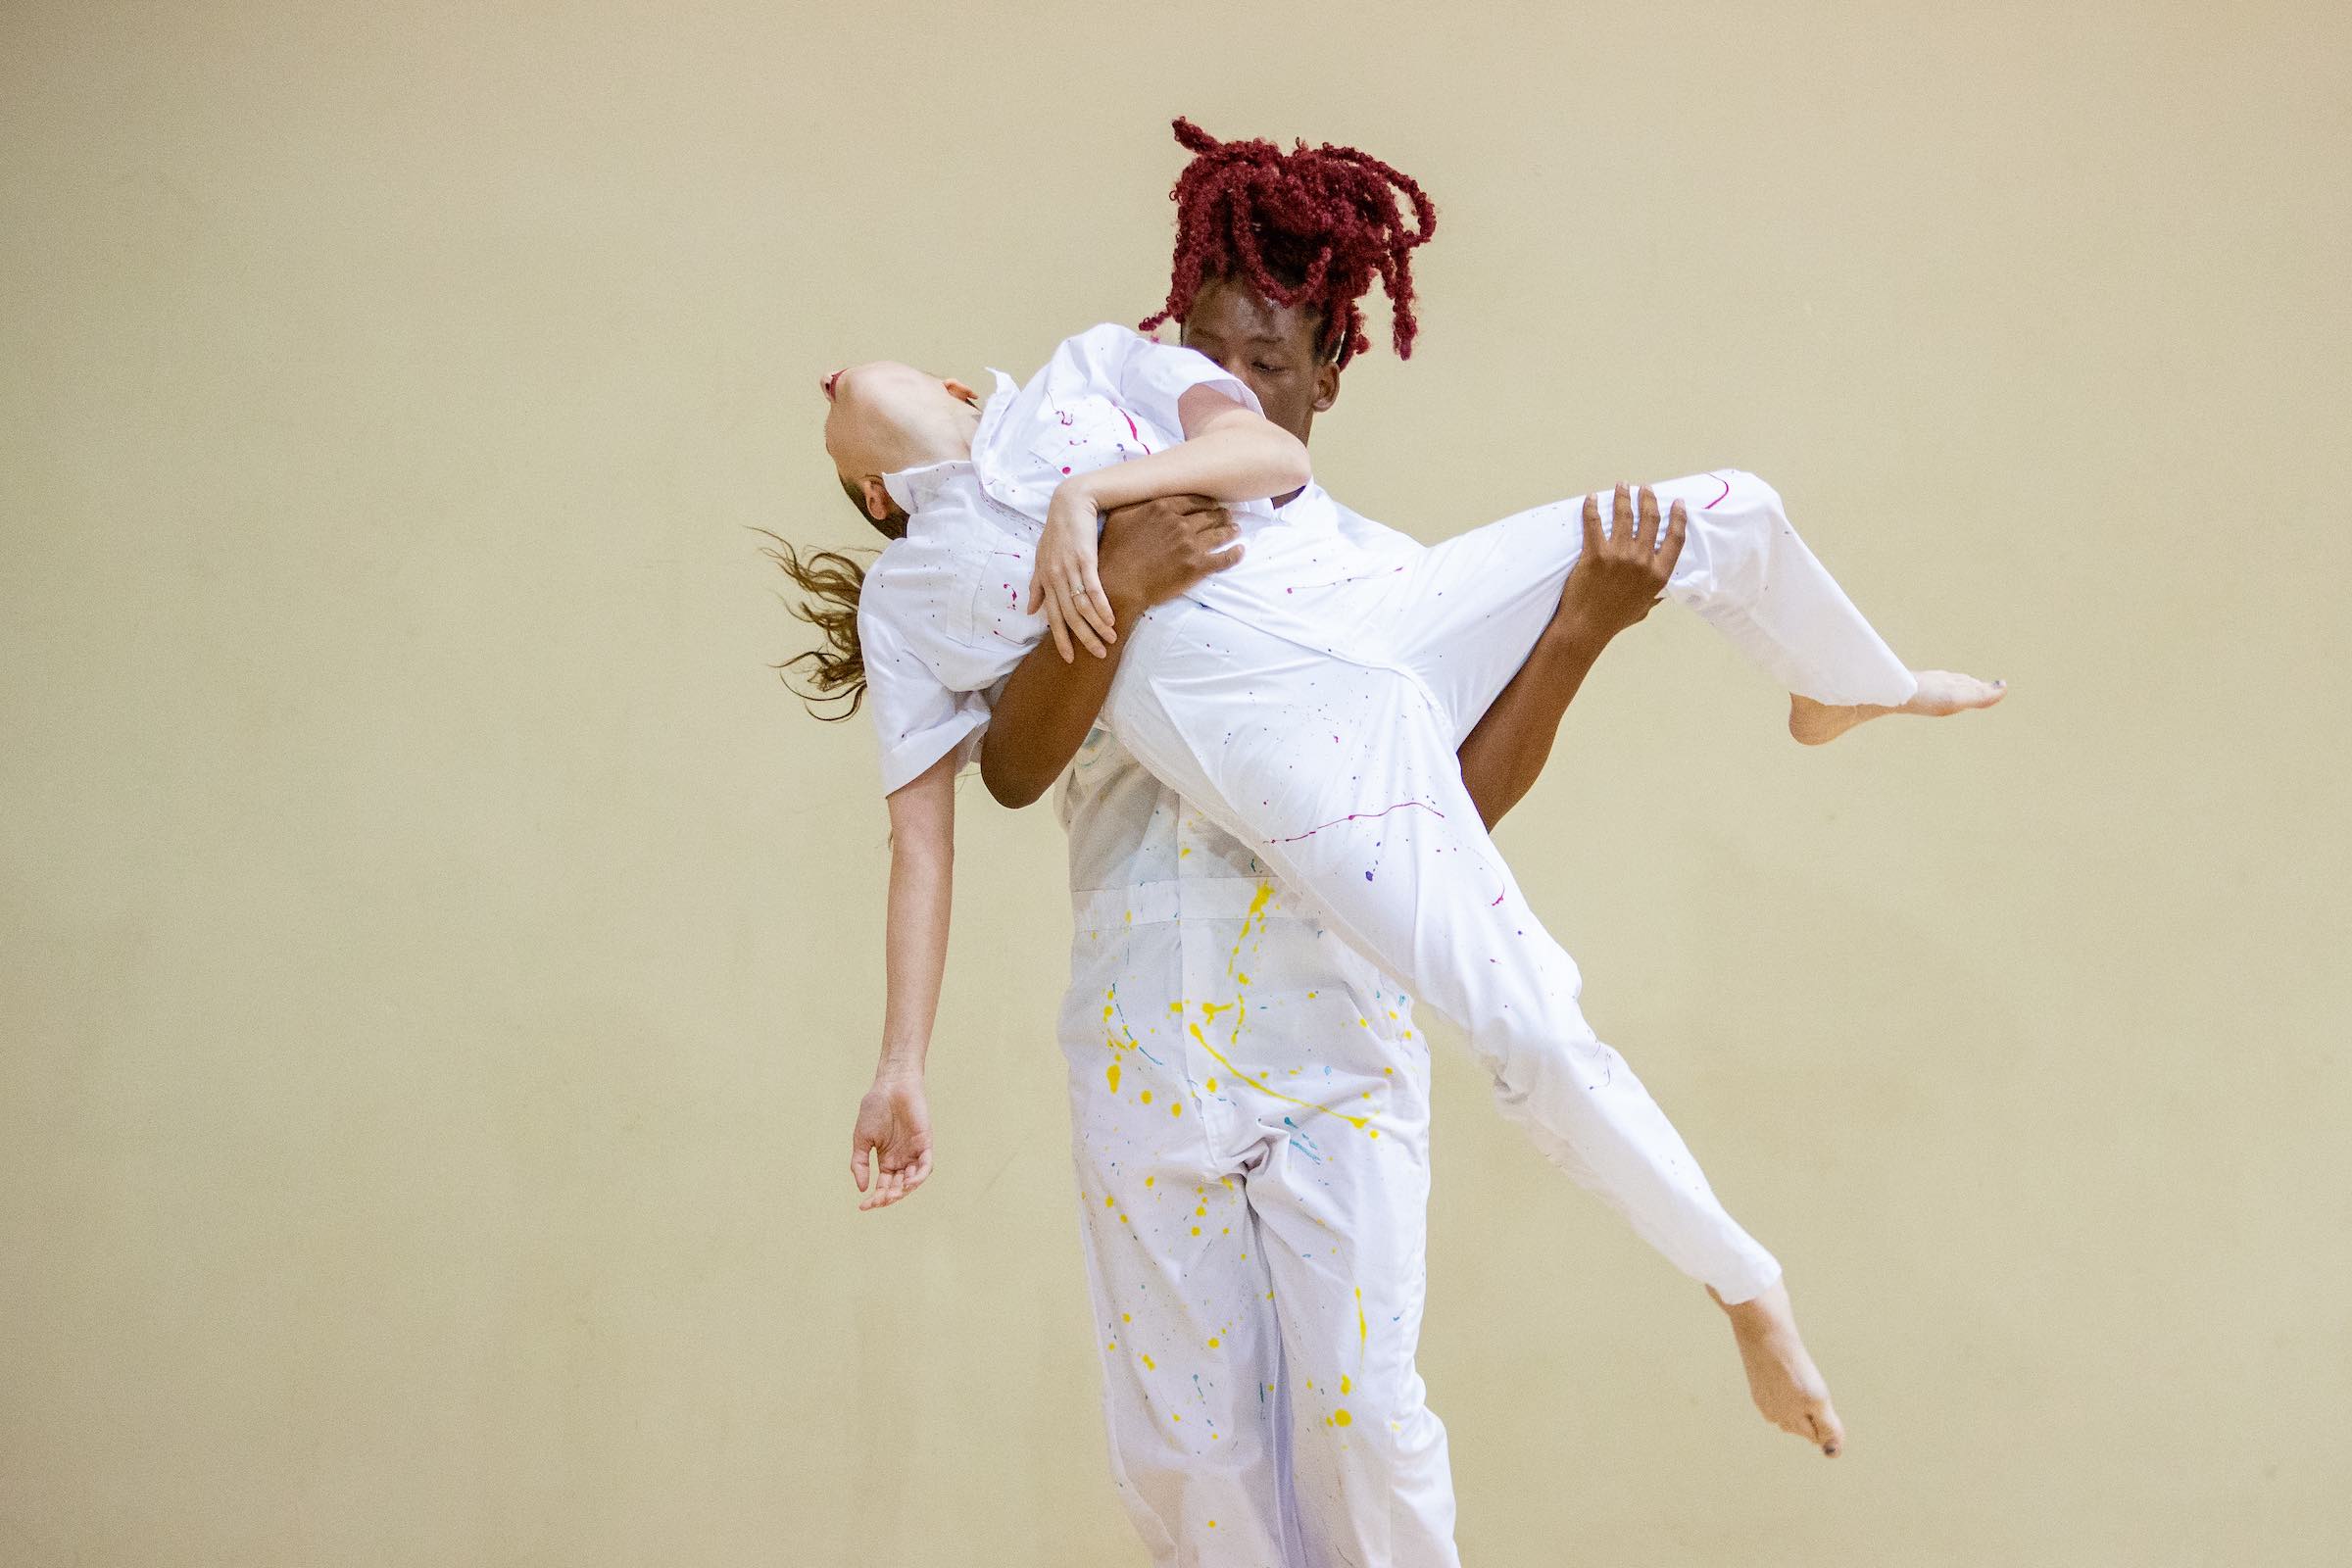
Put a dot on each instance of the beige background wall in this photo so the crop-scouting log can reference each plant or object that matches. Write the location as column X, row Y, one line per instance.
column 438, row 963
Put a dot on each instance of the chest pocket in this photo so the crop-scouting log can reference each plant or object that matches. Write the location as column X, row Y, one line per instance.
column 1080, row 434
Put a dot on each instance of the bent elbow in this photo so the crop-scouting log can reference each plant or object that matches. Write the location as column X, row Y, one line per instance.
column 1008, row 786
column 1297, row 468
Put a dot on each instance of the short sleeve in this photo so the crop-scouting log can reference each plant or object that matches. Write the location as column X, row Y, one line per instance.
column 1150, row 378
column 917, row 718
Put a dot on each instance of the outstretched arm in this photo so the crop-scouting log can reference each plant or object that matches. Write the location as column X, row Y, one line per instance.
column 894, row 1120
column 1615, row 582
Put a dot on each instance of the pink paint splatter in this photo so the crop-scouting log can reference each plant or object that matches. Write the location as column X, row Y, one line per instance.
column 1362, row 816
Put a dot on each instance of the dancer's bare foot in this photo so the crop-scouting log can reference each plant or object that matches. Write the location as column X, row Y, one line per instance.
column 1940, row 692
column 1781, row 1376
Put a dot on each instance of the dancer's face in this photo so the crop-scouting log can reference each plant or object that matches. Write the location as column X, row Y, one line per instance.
column 884, row 417
column 1268, row 348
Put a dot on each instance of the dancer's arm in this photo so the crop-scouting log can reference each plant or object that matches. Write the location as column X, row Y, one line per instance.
column 1227, row 453
column 1615, row 582
column 894, row 1122
column 1155, row 551
column 1152, row 552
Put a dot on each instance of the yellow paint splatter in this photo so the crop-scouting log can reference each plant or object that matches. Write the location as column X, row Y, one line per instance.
column 1363, row 1331
column 1148, row 1365
column 1212, row 1342
column 1113, row 1075
column 1109, row 1201
column 1346, row 1386
column 1203, row 1210
column 1213, row 1086
column 1175, row 1110
column 1126, row 1317
column 1341, row 1418
column 1195, row 1230
column 1263, row 1087
column 1148, row 1180
column 1147, row 1097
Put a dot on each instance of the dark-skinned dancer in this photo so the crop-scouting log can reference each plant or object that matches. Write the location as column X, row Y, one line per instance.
column 1270, row 1270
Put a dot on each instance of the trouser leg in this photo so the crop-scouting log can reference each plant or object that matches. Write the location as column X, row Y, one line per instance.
column 1345, row 1222
column 1185, row 1327
column 1345, row 781
column 1463, row 615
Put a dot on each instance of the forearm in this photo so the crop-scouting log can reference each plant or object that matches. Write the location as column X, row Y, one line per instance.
column 1505, row 752
column 1043, row 716
column 922, row 874
column 1246, row 460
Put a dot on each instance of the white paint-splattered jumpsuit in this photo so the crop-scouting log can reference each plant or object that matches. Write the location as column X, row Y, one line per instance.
column 1244, row 1142
column 1249, row 1116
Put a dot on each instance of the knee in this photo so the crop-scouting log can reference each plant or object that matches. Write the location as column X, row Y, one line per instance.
column 1741, row 486
column 1560, row 1067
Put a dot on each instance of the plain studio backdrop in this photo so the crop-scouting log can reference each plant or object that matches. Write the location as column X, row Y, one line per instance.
column 440, row 963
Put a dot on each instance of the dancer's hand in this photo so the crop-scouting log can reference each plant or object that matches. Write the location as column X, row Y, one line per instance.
column 1154, row 550
column 893, row 1126
column 1064, row 584
column 1781, row 1376
column 1621, row 572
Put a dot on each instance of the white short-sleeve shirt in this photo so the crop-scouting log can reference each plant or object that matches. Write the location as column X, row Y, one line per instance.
column 942, row 614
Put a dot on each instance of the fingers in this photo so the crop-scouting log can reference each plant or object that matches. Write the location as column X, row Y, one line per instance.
column 1079, row 614
column 1670, row 548
column 857, row 1153
column 1645, row 538
column 1096, row 603
column 1057, row 615
column 1591, row 525
column 1827, row 1430
column 890, row 1186
column 1621, row 517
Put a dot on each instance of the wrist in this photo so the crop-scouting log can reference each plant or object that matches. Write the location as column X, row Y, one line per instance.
column 900, row 1059
column 1573, row 635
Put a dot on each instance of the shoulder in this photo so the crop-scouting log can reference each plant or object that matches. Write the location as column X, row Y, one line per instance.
column 1102, row 348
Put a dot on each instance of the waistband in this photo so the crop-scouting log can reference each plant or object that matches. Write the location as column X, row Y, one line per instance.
column 1219, row 898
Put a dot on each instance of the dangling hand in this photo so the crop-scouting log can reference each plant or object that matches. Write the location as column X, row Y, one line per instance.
column 893, row 1126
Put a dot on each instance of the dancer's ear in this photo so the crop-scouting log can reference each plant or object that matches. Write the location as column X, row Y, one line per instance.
column 961, row 392
column 1327, row 386
column 877, row 497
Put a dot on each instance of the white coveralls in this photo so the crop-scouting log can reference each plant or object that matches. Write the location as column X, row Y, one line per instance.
column 1243, row 1262
column 1311, row 707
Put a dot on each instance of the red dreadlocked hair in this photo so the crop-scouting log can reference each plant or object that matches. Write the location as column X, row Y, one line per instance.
column 1310, row 228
